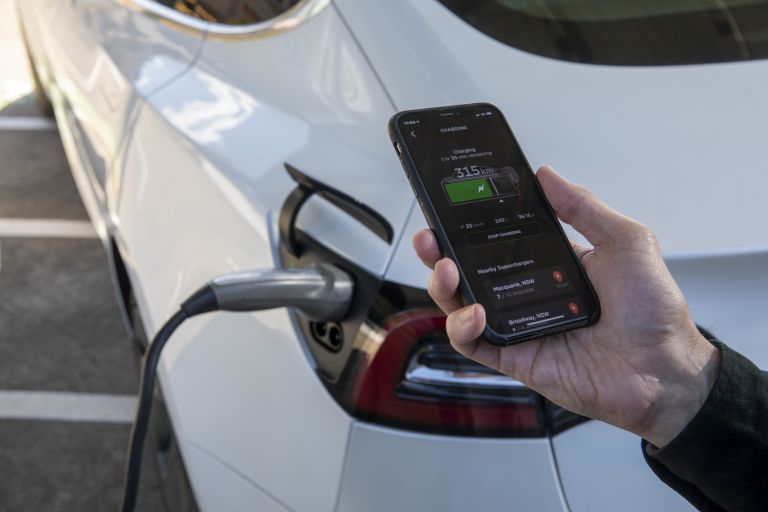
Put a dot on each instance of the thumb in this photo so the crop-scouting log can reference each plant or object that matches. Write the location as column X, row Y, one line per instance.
column 580, row 208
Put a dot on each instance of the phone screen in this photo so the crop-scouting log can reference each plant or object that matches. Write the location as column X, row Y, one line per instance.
column 506, row 241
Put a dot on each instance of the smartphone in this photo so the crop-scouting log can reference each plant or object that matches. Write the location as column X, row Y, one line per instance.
column 482, row 200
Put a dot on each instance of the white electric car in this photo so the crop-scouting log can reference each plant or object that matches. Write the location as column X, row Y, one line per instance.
column 195, row 128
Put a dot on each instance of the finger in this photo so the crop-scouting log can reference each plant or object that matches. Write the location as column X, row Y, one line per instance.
column 581, row 209
column 578, row 248
column 465, row 325
column 426, row 247
column 465, row 328
column 444, row 286
column 585, row 255
column 582, row 252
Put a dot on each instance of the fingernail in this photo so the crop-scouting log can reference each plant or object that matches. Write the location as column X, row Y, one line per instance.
column 467, row 316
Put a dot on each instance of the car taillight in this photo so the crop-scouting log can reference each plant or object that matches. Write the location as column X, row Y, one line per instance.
column 407, row 375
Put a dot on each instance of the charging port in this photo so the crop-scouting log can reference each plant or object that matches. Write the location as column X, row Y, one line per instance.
column 328, row 334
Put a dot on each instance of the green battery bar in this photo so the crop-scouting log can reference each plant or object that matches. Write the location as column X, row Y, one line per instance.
column 469, row 190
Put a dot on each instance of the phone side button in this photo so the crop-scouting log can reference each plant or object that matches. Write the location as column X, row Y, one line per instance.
column 421, row 205
column 410, row 182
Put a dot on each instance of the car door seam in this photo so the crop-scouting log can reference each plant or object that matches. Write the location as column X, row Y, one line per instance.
column 556, row 468
column 344, row 464
column 135, row 111
column 396, row 245
column 365, row 56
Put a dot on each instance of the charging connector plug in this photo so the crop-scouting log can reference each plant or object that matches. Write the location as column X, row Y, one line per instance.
column 320, row 292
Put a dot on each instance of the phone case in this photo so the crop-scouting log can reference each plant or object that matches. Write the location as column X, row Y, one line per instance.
column 435, row 225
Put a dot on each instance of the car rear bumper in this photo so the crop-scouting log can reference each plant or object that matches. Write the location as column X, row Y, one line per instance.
column 388, row 469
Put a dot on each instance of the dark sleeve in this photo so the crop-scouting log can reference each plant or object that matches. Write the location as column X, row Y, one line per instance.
column 720, row 459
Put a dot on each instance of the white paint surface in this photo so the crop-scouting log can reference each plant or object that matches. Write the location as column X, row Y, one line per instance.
column 16, row 81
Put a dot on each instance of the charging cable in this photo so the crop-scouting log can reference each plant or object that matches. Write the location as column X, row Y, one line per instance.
column 320, row 292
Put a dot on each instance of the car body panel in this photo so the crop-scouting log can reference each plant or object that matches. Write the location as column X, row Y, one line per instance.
column 308, row 98
column 106, row 59
column 644, row 139
column 227, row 490
column 447, row 473
column 610, row 474
column 32, row 16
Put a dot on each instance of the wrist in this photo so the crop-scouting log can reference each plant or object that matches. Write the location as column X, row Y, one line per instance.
column 683, row 391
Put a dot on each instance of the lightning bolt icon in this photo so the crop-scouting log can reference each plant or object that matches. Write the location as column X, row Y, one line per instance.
column 481, row 188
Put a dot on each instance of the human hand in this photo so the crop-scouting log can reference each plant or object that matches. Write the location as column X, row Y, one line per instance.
column 643, row 366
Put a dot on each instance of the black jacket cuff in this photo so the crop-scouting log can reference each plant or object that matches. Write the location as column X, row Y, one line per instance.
column 720, row 459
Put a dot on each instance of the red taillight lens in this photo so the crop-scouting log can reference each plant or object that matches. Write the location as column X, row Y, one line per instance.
column 408, row 376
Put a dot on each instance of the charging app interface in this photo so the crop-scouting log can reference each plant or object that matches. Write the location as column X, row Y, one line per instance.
column 506, row 241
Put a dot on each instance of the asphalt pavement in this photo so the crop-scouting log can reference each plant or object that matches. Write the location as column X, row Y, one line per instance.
column 67, row 375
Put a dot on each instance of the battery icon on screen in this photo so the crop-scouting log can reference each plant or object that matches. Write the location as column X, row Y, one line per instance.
column 469, row 190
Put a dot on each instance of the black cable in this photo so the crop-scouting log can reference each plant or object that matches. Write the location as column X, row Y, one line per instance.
column 201, row 302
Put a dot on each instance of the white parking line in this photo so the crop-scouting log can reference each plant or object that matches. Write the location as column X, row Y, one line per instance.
column 62, row 406
column 26, row 123
column 45, row 228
